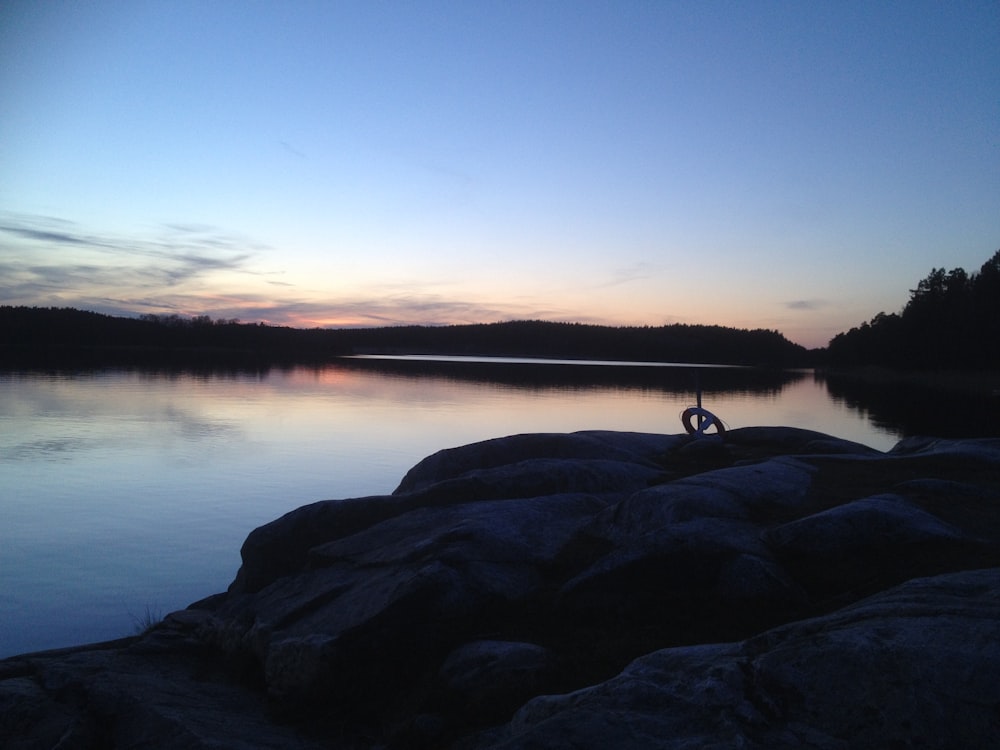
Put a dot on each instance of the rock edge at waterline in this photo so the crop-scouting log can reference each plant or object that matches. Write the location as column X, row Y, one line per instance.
column 773, row 588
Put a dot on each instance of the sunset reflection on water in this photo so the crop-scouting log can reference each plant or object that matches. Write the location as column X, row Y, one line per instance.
column 133, row 490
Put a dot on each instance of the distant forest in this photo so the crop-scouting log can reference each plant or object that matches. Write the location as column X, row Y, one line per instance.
column 59, row 337
column 951, row 322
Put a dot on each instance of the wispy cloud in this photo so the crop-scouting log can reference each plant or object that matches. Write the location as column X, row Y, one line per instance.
column 638, row 271
column 292, row 150
column 191, row 242
column 193, row 269
column 364, row 310
column 41, row 235
column 51, row 261
column 807, row 304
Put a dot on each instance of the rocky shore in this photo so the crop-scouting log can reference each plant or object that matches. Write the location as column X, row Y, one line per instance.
column 773, row 588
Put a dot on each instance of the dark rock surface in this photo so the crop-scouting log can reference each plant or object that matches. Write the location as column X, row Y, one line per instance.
column 775, row 588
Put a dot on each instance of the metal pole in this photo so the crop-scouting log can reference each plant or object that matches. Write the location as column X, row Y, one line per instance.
column 697, row 388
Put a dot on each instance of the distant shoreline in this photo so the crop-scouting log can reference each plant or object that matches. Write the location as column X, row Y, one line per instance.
column 51, row 336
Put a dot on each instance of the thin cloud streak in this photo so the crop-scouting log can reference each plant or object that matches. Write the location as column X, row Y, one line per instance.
column 807, row 304
column 636, row 272
column 51, row 261
column 192, row 243
column 377, row 311
column 48, row 236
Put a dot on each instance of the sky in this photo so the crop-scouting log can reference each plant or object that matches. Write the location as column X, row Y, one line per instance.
column 796, row 166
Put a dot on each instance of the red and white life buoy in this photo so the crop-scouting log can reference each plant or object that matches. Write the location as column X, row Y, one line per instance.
column 706, row 421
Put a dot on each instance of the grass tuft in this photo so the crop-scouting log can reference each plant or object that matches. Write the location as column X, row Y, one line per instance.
column 145, row 622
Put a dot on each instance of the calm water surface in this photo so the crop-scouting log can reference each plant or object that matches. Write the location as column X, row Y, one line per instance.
column 128, row 493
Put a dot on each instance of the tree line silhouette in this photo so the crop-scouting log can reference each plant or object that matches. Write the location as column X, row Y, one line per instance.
column 951, row 321
column 535, row 338
column 66, row 336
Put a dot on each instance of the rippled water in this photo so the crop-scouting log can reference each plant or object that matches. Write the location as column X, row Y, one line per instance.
column 129, row 493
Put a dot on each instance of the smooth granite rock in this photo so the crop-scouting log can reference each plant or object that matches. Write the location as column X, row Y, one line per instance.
column 913, row 667
column 770, row 588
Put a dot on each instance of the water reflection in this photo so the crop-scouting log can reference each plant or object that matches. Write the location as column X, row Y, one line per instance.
column 72, row 416
column 153, row 479
column 918, row 407
column 52, row 449
column 678, row 379
column 889, row 407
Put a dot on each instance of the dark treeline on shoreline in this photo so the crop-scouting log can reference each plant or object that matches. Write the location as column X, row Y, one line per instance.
column 59, row 337
column 951, row 322
column 674, row 343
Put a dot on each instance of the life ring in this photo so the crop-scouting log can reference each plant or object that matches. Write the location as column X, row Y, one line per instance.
column 707, row 420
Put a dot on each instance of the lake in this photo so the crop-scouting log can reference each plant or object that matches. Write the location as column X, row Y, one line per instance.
column 126, row 494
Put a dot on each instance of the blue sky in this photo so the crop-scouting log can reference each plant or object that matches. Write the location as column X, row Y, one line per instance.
column 796, row 166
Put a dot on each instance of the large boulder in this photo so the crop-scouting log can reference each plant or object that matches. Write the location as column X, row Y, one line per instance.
column 769, row 588
column 844, row 547
column 521, row 466
column 165, row 690
column 391, row 598
column 628, row 447
column 914, row 666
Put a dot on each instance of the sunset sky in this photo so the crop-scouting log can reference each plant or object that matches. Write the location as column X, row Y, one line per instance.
column 793, row 165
